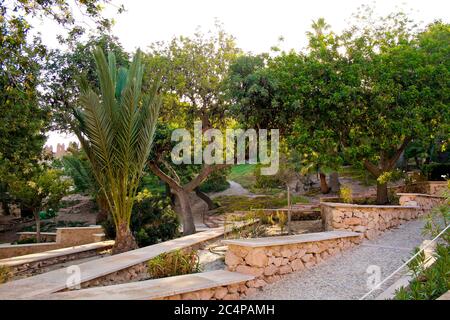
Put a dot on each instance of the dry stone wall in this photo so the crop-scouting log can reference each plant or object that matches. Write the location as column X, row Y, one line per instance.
column 270, row 263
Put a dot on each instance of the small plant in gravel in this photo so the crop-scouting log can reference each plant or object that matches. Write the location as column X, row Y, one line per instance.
column 5, row 274
column 346, row 194
column 174, row 263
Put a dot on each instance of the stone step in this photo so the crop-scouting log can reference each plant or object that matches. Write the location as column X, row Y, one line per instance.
column 155, row 288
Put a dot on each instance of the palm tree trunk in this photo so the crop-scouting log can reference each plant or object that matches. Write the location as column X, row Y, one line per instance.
column 124, row 239
column 335, row 185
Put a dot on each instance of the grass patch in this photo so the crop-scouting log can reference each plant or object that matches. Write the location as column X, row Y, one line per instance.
column 244, row 174
column 358, row 174
column 229, row 204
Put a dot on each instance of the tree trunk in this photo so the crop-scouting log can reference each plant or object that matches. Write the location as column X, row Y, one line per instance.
column 103, row 209
column 335, row 185
column 205, row 198
column 382, row 193
column 37, row 218
column 186, row 212
column 124, row 239
column 323, row 183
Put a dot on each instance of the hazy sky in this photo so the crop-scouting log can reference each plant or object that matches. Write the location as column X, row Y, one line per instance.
column 256, row 24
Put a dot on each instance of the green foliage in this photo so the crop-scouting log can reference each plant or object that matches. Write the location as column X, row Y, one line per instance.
column 47, row 214
column 244, row 174
column 229, row 204
column 5, row 274
column 41, row 191
column 346, row 194
column 430, row 282
column 152, row 221
column 174, row 263
column 436, row 171
column 78, row 168
column 116, row 131
column 216, row 181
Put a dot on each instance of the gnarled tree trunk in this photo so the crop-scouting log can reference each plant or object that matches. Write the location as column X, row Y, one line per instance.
column 335, row 185
column 205, row 198
column 124, row 239
column 182, row 191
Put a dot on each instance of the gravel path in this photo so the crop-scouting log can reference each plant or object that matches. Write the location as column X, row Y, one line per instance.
column 345, row 276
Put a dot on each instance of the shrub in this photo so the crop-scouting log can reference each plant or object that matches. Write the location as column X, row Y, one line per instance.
column 174, row 264
column 5, row 274
column 436, row 171
column 152, row 221
column 346, row 194
column 431, row 282
column 216, row 181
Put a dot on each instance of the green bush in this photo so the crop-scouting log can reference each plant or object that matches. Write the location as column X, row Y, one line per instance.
column 152, row 221
column 174, row 264
column 216, row 181
column 430, row 283
column 436, row 171
column 267, row 182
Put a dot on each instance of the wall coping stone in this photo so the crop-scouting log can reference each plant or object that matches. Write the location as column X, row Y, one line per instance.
column 349, row 205
column 156, row 288
column 294, row 239
column 42, row 244
column 30, row 258
column 421, row 195
column 79, row 228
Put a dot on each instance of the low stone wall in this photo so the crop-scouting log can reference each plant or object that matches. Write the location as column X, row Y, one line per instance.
column 65, row 237
column 38, row 267
column 269, row 263
column 435, row 188
column 14, row 250
column 45, row 236
column 231, row 292
column 370, row 220
column 425, row 201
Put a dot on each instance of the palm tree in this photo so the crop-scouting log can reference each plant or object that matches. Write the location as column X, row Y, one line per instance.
column 116, row 128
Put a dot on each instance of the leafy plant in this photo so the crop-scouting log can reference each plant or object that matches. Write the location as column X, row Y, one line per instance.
column 174, row 263
column 152, row 220
column 116, row 131
column 430, row 282
column 346, row 194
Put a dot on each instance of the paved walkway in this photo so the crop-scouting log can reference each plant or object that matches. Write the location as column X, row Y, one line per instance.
column 345, row 276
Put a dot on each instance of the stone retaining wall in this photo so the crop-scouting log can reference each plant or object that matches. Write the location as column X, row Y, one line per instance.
column 231, row 292
column 38, row 267
column 425, row 201
column 369, row 220
column 65, row 237
column 435, row 188
column 269, row 263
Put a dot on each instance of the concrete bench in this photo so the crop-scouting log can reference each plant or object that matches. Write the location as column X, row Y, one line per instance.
column 29, row 262
column 95, row 270
column 272, row 257
column 192, row 286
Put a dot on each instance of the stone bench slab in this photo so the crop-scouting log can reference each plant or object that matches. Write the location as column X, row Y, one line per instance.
column 30, row 258
column 55, row 280
column 155, row 288
column 294, row 239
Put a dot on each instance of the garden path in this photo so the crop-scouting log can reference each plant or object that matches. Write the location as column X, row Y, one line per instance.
column 345, row 276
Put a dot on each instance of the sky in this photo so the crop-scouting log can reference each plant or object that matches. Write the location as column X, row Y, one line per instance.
column 256, row 24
